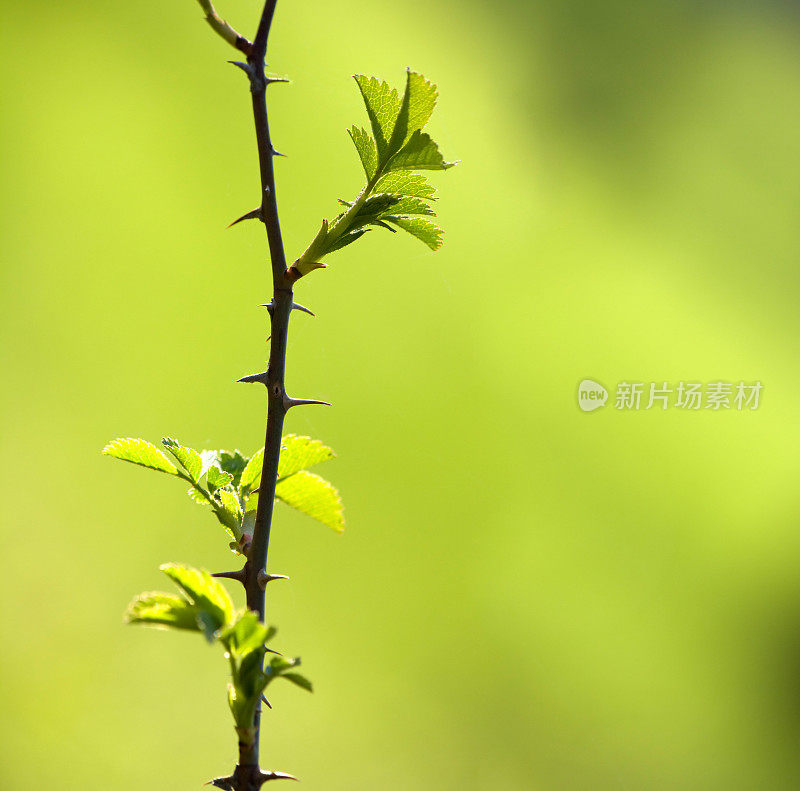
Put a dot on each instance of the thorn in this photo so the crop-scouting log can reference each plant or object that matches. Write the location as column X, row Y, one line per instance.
column 288, row 403
column 264, row 578
column 276, row 776
column 255, row 214
column 239, row 576
column 243, row 66
column 255, row 378
column 221, row 782
column 295, row 306
column 271, row 80
column 265, row 701
column 270, row 308
column 276, row 153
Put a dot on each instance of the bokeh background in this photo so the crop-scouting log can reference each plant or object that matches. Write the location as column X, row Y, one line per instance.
column 528, row 597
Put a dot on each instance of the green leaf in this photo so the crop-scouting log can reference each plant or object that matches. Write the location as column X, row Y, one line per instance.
column 217, row 478
column 419, row 153
column 345, row 239
column 314, row 496
column 365, row 146
column 300, row 453
column 417, row 105
column 233, row 463
column 422, row 228
column 401, row 182
column 383, row 107
column 301, row 681
column 137, row 451
column 197, row 496
column 204, row 591
column 408, row 205
column 209, row 457
column 163, row 609
column 233, row 510
column 246, row 634
column 252, row 472
column 189, row 458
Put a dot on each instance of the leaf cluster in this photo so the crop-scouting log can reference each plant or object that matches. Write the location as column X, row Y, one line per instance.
column 204, row 605
column 228, row 482
column 396, row 195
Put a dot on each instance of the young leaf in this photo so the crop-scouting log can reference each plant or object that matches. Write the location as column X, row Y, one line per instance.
column 217, row 478
column 246, row 634
column 232, row 463
column 301, row 681
column 365, row 146
column 314, row 496
column 252, row 472
column 417, row 105
column 400, row 182
column 189, row 458
column 419, row 153
column 233, row 510
column 162, row 609
column 203, row 590
column 300, row 453
column 383, row 107
column 422, row 228
column 137, row 451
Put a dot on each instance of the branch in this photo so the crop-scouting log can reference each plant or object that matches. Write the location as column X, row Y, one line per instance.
column 221, row 27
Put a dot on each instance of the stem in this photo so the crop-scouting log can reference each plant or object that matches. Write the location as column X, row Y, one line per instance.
column 275, row 380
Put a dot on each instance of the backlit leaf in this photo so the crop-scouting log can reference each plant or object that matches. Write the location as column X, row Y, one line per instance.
column 137, row 451
column 314, row 496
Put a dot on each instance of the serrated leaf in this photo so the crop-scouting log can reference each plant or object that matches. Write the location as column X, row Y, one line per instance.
column 300, row 453
column 252, row 472
column 314, row 496
column 383, row 107
column 217, row 478
column 188, row 458
column 403, row 182
column 247, row 634
column 230, row 502
column 365, row 146
column 233, row 463
column 408, row 205
column 209, row 457
column 138, row 451
column 416, row 107
column 204, row 591
column 163, row 609
column 419, row 153
column 345, row 239
column 300, row 681
column 197, row 496
column 422, row 228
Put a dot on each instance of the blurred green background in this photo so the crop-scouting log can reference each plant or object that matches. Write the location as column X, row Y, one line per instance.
column 527, row 596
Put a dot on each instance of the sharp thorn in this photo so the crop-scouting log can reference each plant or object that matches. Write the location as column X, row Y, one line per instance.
column 221, row 782
column 239, row 576
column 277, row 153
column 276, row 776
column 271, row 80
column 266, row 702
column 288, row 403
column 270, row 308
column 302, row 308
column 243, row 66
column 262, row 378
column 255, row 214
column 264, row 578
